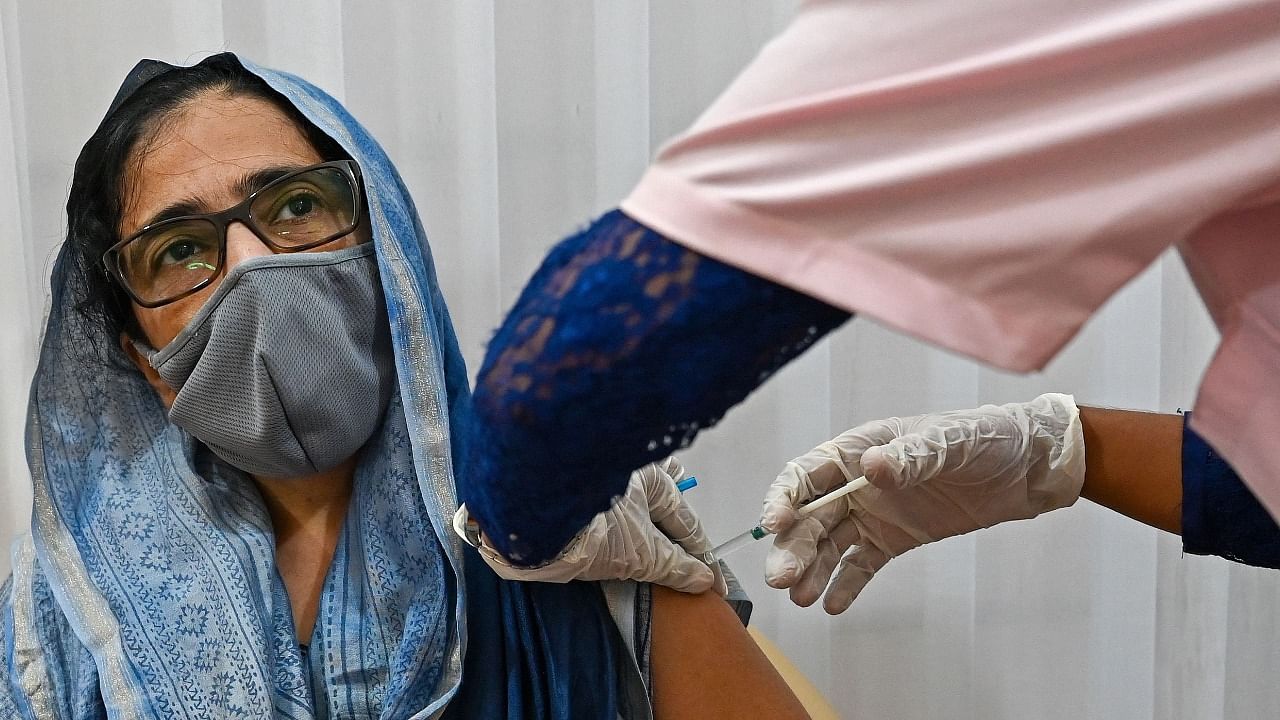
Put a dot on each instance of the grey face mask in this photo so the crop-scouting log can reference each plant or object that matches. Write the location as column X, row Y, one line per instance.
column 287, row 368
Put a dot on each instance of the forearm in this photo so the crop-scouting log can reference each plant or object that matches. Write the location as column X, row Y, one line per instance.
column 623, row 346
column 1133, row 464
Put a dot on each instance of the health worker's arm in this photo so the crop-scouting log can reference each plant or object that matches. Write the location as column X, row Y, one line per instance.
column 621, row 348
column 940, row 475
column 1155, row 469
column 1134, row 464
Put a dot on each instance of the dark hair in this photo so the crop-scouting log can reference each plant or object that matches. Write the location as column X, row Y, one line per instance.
column 96, row 202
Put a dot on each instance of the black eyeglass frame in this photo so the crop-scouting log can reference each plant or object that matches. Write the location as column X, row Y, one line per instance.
column 239, row 213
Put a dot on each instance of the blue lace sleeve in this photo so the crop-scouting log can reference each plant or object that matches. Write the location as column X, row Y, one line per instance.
column 620, row 349
column 1220, row 516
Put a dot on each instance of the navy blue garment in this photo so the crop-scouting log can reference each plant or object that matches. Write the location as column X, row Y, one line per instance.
column 1220, row 516
column 537, row 650
column 622, row 347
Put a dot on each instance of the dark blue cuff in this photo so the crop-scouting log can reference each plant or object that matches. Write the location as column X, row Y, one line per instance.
column 1220, row 516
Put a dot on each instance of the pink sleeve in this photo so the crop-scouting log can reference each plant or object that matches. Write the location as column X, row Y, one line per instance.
column 980, row 174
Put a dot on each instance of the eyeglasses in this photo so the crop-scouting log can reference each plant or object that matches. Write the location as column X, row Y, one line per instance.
column 171, row 259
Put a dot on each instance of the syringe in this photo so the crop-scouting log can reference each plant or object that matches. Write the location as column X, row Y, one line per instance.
column 740, row 541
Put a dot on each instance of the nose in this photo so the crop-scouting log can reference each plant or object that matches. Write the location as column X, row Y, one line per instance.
column 242, row 244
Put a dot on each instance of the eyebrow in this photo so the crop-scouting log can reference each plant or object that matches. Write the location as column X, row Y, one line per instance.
column 245, row 186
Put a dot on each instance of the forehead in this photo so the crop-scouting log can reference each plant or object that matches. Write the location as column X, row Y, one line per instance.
column 203, row 149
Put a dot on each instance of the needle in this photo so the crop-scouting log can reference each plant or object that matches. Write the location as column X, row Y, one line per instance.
column 740, row 541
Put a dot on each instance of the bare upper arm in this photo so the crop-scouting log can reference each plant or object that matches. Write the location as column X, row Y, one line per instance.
column 705, row 665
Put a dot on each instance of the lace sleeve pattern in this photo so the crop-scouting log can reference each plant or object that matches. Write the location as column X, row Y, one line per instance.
column 622, row 347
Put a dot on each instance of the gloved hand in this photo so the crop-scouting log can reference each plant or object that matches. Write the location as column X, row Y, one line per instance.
column 650, row 534
column 932, row 477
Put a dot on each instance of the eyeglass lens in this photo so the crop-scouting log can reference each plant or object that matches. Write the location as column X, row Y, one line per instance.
column 297, row 212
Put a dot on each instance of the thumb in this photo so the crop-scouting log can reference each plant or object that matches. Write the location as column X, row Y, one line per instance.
column 883, row 468
column 905, row 461
column 684, row 528
column 669, row 510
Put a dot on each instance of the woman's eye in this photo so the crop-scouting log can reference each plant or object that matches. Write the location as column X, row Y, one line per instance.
column 298, row 207
column 179, row 250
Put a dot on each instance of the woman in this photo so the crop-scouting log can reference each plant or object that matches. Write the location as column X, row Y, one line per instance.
column 241, row 450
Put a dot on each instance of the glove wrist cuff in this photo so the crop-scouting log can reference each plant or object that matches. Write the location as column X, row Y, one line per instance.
column 1057, row 415
column 470, row 532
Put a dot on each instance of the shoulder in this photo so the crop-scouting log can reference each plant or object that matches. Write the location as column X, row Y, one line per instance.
column 706, row 665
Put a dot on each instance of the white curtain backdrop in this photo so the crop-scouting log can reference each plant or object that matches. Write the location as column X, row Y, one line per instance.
column 513, row 123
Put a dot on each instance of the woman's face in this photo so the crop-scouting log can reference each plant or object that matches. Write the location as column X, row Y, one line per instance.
column 205, row 159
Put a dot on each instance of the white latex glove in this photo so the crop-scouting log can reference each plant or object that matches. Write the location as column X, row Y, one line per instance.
column 932, row 477
column 650, row 535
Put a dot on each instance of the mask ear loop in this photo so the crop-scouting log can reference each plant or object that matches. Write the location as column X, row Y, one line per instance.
column 143, row 349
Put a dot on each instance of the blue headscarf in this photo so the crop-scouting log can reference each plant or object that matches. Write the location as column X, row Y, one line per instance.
column 148, row 585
